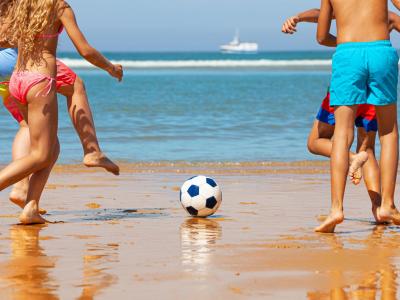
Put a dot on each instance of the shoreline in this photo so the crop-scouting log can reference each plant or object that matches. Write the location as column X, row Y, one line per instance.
column 243, row 168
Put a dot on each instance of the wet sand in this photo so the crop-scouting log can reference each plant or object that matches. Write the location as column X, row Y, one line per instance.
column 128, row 237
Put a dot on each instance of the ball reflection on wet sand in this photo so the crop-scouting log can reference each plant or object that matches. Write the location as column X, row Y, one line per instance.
column 198, row 236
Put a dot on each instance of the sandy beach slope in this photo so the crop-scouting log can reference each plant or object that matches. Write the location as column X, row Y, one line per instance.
column 128, row 235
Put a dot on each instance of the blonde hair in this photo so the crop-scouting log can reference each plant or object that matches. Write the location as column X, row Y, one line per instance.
column 27, row 20
column 5, row 7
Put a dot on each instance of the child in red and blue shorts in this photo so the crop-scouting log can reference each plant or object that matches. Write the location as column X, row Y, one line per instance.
column 365, row 117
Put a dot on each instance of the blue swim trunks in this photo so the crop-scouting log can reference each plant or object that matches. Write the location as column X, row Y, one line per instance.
column 364, row 73
column 8, row 59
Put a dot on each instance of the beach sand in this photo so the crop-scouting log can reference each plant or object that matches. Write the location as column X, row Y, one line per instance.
column 127, row 237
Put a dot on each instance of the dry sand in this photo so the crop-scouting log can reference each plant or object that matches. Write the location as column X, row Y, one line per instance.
column 128, row 237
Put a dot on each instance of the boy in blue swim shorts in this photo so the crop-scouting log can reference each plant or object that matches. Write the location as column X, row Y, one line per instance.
column 364, row 71
column 320, row 137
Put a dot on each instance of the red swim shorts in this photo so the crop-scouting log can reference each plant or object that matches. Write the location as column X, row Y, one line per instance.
column 365, row 116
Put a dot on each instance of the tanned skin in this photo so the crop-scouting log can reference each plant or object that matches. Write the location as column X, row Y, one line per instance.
column 320, row 137
column 352, row 27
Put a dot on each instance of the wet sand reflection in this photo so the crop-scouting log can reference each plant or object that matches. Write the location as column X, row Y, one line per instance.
column 26, row 274
column 198, row 235
column 370, row 284
column 95, row 276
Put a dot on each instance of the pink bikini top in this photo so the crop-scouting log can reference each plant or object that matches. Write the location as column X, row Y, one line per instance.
column 50, row 36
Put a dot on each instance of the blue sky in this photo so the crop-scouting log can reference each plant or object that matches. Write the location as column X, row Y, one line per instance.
column 189, row 25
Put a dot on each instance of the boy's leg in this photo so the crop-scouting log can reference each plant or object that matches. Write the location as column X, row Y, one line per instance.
column 342, row 140
column 320, row 142
column 82, row 119
column 389, row 138
column 371, row 172
column 320, row 139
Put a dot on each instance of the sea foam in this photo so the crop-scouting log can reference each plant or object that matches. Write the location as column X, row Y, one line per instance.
column 182, row 64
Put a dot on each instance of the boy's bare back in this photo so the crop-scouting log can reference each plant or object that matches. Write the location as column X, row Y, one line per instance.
column 361, row 20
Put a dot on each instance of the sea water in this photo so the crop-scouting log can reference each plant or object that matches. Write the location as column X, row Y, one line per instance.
column 197, row 107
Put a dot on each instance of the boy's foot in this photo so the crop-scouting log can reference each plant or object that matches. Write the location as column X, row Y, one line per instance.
column 387, row 215
column 18, row 197
column 328, row 226
column 355, row 169
column 99, row 159
column 30, row 215
column 375, row 209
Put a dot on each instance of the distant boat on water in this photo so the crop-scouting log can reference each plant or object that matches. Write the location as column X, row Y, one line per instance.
column 236, row 46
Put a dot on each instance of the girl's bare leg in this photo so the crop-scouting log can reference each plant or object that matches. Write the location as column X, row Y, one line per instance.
column 342, row 140
column 81, row 116
column 20, row 148
column 389, row 137
column 31, row 213
column 42, row 120
column 371, row 172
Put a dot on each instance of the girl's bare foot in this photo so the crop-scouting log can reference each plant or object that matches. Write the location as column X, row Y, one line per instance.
column 356, row 163
column 387, row 215
column 30, row 214
column 18, row 197
column 99, row 159
column 328, row 226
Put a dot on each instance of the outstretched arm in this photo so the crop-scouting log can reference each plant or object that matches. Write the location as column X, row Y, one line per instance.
column 324, row 37
column 394, row 21
column 290, row 25
column 67, row 18
column 396, row 3
column 308, row 16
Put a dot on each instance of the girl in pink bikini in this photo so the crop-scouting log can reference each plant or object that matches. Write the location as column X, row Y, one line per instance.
column 35, row 26
column 72, row 87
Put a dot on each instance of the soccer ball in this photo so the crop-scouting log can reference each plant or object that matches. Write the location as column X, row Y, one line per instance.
column 200, row 196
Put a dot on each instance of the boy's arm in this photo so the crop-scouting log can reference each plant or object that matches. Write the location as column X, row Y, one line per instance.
column 396, row 3
column 89, row 53
column 324, row 37
column 394, row 22
column 311, row 16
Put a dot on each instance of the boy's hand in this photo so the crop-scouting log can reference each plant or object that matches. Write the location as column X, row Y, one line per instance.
column 289, row 27
column 117, row 72
column 396, row 3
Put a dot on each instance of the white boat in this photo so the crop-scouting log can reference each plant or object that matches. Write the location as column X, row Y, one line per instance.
column 236, row 46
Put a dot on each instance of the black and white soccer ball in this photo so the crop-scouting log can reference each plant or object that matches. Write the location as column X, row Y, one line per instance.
column 200, row 196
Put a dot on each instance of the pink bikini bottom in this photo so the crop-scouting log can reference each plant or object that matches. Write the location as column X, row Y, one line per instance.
column 65, row 77
column 22, row 82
